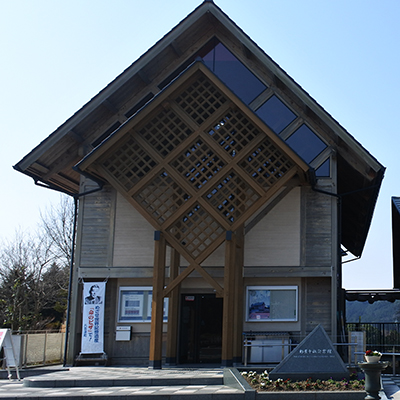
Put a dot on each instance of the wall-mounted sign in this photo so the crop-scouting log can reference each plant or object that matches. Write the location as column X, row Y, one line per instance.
column 135, row 304
column 271, row 303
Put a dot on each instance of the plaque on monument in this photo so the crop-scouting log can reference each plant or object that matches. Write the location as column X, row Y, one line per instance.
column 315, row 357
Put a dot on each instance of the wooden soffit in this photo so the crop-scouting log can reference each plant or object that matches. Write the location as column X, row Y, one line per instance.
column 195, row 162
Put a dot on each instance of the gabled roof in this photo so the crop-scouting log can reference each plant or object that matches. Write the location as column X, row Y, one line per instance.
column 195, row 159
column 52, row 161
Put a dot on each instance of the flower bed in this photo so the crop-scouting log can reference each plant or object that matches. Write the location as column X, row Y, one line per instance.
column 261, row 383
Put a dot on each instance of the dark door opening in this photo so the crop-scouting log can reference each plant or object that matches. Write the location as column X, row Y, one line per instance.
column 200, row 329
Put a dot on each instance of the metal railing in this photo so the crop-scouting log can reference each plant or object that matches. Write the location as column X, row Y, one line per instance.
column 38, row 348
column 384, row 337
column 381, row 336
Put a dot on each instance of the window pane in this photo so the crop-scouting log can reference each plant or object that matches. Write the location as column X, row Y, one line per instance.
column 324, row 169
column 306, row 143
column 275, row 114
column 233, row 73
column 283, row 304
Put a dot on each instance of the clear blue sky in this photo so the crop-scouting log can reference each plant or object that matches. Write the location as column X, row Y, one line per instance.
column 56, row 55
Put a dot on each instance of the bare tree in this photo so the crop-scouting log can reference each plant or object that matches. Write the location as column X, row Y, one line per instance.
column 57, row 224
column 23, row 261
column 34, row 271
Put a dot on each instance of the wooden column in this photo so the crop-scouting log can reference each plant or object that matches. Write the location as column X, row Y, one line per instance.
column 239, row 296
column 157, row 304
column 229, row 299
column 173, row 308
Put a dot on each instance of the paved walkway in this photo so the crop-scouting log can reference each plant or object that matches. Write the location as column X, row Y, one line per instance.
column 116, row 383
column 391, row 385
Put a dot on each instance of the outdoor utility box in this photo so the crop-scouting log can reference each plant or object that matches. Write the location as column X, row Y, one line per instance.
column 123, row 333
column 269, row 350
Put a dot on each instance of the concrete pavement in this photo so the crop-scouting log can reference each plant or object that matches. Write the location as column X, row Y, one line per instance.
column 119, row 383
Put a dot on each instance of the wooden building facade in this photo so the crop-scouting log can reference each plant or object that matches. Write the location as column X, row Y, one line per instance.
column 215, row 197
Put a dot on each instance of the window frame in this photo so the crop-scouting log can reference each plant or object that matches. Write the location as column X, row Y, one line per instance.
column 145, row 299
column 272, row 288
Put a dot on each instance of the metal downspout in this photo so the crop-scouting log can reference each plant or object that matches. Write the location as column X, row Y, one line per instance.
column 340, row 297
column 71, row 267
column 339, row 253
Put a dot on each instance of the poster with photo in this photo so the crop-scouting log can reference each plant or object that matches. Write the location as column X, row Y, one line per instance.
column 259, row 304
column 93, row 318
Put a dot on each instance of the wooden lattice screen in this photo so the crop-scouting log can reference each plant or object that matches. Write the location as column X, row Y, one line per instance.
column 196, row 163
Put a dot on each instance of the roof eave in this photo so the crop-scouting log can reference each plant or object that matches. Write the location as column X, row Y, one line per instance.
column 295, row 88
column 117, row 83
column 396, row 241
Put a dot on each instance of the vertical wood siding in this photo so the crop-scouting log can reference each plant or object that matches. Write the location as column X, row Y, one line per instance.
column 275, row 240
column 318, row 303
column 317, row 228
column 97, row 224
column 134, row 237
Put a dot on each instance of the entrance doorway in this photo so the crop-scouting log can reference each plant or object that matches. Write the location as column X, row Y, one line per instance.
column 200, row 329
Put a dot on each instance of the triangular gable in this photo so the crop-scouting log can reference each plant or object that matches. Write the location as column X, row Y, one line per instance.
column 51, row 162
column 196, row 162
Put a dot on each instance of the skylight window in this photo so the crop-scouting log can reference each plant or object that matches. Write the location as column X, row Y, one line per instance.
column 275, row 114
column 233, row 73
column 306, row 143
column 324, row 169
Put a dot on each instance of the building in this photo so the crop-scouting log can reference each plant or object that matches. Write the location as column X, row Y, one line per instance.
column 396, row 239
column 215, row 197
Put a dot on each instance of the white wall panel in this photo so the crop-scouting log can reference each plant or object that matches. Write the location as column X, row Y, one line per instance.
column 275, row 240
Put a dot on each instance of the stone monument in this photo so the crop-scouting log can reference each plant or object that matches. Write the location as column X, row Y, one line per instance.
column 315, row 357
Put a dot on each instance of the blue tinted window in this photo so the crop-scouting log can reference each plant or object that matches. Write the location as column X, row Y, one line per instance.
column 306, row 143
column 233, row 73
column 324, row 169
column 275, row 114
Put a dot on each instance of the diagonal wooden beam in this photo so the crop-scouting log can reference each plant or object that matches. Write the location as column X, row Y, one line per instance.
column 192, row 266
column 208, row 278
column 178, row 280
column 187, row 271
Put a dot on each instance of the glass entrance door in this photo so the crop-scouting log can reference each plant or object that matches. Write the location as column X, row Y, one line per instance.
column 200, row 329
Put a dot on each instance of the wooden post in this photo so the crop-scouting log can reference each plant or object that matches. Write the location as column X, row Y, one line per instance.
column 238, row 310
column 173, row 307
column 157, row 304
column 229, row 298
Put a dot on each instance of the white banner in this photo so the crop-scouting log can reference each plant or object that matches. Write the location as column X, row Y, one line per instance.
column 93, row 318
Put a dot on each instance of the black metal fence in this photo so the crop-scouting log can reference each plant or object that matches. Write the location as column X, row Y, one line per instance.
column 381, row 336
